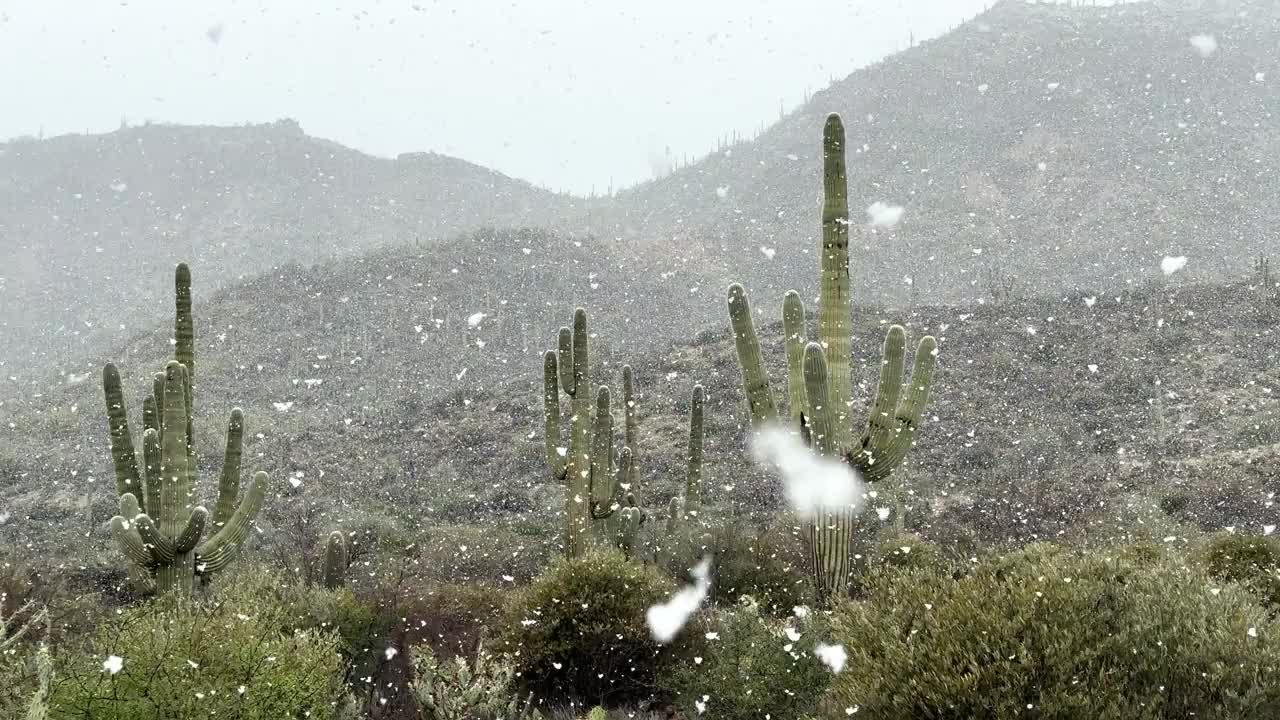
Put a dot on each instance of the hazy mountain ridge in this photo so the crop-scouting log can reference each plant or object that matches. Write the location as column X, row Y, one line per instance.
column 1148, row 149
column 87, row 221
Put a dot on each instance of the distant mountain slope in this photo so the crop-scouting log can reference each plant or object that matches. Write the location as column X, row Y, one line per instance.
column 1069, row 147
column 88, row 222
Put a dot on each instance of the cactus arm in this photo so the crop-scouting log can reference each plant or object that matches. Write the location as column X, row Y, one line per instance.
column 229, row 484
column 130, row 543
column 834, row 303
column 631, row 430
column 889, row 446
column 151, row 458
column 162, row 550
column 124, row 455
column 556, row 453
column 882, row 425
column 793, row 327
column 335, row 560
column 755, row 382
column 565, row 350
column 125, row 531
column 191, row 534
column 184, row 321
column 818, row 388
column 693, row 479
column 601, row 480
column 216, row 552
column 175, row 480
column 581, row 354
column 578, row 498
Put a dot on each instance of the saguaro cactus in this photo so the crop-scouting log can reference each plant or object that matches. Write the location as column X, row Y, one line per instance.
column 593, row 477
column 159, row 527
column 335, row 560
column 820, row 376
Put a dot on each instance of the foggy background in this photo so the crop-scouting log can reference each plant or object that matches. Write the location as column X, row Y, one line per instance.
column 568, row 94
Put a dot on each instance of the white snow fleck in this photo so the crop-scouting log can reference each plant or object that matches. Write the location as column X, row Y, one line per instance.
column 1253, row 632
column 475, row 319
column 813, row 482
column 1089, row 301
column 194, row 665
column 283, row 406
column 983, row 88
column 113, row 664
column 666, row 619
column 884, row 215
column 119, row 186
column 1093, row 368
column 882, row 513
column 1053, row 85
column 768, row 252
column 391, row 652
column 1268, row 529
column 1206, row 45
column 833, row 656
column 295, row 482
column 792, row 634
column 713, row 636
column 1170, row 265
column 1259, row 77
column 722, row 191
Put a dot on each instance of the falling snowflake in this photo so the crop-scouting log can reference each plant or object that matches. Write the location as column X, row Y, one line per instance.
column 1206, row 45
column 113, row 664
column 833, row 656
column 475, row 319
column 666, row 619
column 884, row 215
column 1170, row 265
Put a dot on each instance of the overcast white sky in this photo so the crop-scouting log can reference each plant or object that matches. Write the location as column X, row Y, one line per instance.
column 569, row 94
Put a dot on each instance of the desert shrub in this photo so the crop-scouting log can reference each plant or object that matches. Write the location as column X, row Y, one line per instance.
column 237, row 655
column 481, row 687
column 763, row 563
column 578, row 631
column 752, row 668
column 1059, row 634
column 1250, row 560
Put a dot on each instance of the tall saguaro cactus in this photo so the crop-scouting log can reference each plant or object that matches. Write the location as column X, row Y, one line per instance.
column 820, row 380
column 160, row 526
column 592, row 476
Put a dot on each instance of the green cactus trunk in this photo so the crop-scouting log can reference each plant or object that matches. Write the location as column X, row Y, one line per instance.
column 159, row 527
column 820, row 381
column 335, row 561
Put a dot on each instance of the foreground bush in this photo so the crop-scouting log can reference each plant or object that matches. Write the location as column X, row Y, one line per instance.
column 238, row 656
column 1048, row 633
column 478, row 688
column 1250, row 560
column 578, row 631
column 753, row 666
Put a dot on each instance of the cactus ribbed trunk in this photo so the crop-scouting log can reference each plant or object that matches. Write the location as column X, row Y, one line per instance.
column 834, row 307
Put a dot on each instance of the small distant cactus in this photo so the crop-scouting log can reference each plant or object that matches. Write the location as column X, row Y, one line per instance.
column 160, row 527
column 820, row 379
column 335, row 560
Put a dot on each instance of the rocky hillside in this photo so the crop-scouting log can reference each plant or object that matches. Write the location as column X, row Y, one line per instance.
column 1065, row 148
column 88, row 222
column 1146, row 412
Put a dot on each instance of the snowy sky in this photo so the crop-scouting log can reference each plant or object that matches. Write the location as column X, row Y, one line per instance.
column 569, row 94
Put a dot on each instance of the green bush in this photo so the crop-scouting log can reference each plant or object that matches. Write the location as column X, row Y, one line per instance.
column 751, row 668
column 578, row 631
column 479, row 688
column 239, row 655
column 1250, row 560
column 1052, row 633
column 765, row 564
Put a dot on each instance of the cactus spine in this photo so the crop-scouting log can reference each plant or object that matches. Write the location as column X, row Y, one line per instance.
column 335, row 560
column 159, row 528
column 820, row 377
column 592, row 476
